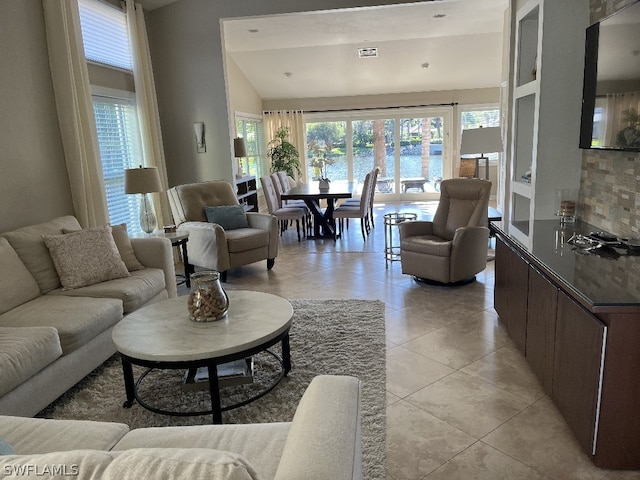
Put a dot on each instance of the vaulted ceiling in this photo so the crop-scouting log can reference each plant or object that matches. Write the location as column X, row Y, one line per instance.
column 315, row 54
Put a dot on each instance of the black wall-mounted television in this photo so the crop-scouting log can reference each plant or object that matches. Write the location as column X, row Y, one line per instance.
column 611, row 93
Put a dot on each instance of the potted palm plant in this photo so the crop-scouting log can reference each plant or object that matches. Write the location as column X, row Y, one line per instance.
column 283, row 154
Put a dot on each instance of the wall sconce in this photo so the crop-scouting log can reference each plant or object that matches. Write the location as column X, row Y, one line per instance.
column 201, row 144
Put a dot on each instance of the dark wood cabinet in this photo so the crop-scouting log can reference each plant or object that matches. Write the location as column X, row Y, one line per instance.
column 579, row 343
column 510, row 296
column 542, row 302
column 576, row 318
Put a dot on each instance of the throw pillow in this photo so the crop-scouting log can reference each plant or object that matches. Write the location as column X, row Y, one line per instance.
column 28, row 244
column 86, row 257
column 17, row 285
column 5, row 448
column 123, row 242
column 229, row 217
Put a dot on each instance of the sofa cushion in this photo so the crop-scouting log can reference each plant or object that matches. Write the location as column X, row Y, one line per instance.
column 5, row 448
column 167, row 464
column 30, row 247
column 229, row 217
column 134, row 291
column 261, row 443
column 17, row 285
column 24, row 351
column 244, row 239
column 77, row 319
column 40, row 435
column 86, row 257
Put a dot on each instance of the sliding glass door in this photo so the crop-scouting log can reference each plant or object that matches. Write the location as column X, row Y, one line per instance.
column 409, row 147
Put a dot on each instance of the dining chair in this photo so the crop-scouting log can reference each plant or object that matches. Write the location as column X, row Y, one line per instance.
column 281, row 184
column 372, row 191
column 283, row 214
column 359, row 210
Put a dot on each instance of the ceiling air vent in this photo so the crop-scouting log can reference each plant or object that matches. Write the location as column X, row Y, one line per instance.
column 369, row 52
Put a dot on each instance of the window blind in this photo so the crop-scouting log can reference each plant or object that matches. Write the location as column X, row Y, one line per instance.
column 104, row 34
column 120, row 148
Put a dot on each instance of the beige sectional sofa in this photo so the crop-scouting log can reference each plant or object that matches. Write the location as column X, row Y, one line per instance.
column 52, row 336
column 323, row 442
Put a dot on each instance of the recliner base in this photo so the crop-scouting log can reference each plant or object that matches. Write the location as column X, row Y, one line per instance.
column 459, row 283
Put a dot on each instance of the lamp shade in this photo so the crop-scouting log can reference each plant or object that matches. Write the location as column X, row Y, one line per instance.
column 142, row 180
column 481, row 140
column 239, row 147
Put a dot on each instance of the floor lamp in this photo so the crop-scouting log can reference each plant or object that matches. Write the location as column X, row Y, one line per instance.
column 481, row 140
column 144, row 181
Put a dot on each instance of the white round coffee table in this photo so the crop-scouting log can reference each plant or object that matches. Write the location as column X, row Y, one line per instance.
column 161, row 336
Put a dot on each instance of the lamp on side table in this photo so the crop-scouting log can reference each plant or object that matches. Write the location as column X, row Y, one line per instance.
column 144, row 181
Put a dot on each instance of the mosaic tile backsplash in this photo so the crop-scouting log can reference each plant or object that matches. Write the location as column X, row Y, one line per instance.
column 610, row 184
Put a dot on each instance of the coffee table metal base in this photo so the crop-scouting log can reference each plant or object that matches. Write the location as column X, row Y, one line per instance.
column 131, row 385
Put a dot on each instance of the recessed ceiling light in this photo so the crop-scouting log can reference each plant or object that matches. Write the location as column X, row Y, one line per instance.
column 253, row 30
column 440, row 15
column 425, row 65
column 368, row 52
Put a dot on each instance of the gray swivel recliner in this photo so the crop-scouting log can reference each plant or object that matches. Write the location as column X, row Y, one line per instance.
column 210, row 245
column 453, row 247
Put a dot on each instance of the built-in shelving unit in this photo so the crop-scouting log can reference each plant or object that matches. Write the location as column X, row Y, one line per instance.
column 247, row 192
column 547, row 93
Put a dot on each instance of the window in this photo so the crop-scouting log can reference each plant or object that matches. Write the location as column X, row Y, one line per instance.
column 403, row 144
column 104, row 34
column 105, row 38
column 253, row 133
column 485, row 116
column 120, row 148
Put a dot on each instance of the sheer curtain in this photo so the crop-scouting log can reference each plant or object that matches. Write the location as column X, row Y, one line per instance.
column 294, row 122
column 147, row 104
column 72, row 93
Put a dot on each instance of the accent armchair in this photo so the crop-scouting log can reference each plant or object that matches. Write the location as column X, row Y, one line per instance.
column 453, row 247
column 210, row 245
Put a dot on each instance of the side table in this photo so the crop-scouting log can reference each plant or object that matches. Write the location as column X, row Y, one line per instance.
column 180, row 240
column 392, row 250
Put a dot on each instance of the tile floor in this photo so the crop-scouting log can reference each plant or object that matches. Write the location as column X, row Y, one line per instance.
column 461, row 400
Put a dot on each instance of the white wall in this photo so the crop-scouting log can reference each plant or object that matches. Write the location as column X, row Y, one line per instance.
column 242, row 96
column 33, row 182
column 189, row 66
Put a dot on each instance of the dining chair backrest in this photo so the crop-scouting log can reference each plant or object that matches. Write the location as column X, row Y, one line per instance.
column 284, row 180
column 364, row 196
column 372, row 188
column 277, row 186
column 270, row 195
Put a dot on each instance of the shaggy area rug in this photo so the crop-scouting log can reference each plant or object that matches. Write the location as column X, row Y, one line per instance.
column 340, row 337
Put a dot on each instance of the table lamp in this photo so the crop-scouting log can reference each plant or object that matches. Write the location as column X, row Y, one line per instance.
column 144, row 181
column 481, row 140
column 239, row 151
